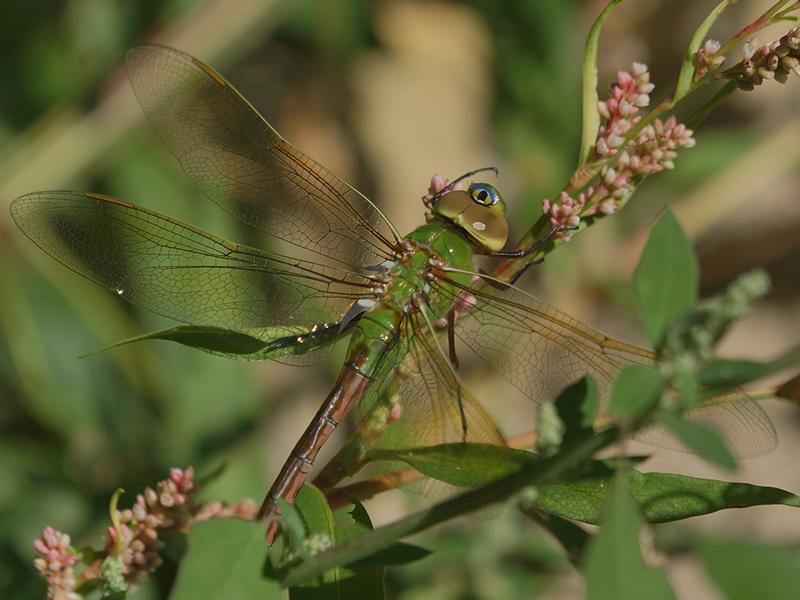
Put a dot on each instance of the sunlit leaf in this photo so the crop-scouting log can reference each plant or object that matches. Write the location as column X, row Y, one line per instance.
column 224, row 560
column 464, row 465
column 663, row 497
column 262, row 343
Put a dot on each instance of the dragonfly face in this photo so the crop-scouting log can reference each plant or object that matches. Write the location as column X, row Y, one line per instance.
column 480, row 212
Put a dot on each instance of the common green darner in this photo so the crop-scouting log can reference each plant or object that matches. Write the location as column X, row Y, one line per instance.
column 353, row 274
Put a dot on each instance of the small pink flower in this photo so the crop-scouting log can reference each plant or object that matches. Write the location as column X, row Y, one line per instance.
column 55, row 560
column 621, row 110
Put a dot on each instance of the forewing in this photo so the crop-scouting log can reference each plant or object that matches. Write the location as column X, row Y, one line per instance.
column 180, row 271
column 245, row 166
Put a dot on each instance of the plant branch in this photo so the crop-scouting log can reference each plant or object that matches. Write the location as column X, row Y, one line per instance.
column 543, row 472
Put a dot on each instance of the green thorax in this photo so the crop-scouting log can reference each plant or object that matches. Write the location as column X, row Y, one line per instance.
column 415, row 276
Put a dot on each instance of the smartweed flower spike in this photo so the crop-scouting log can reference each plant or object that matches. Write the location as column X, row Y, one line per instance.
column 54, row 560
column 654, row 149
column 135, row 544
column 770, row 61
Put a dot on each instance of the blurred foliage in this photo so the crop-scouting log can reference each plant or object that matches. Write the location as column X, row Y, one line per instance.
column 72, row 431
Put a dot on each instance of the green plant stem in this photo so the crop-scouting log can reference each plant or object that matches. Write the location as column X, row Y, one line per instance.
column 546, row 471
column 763, row 21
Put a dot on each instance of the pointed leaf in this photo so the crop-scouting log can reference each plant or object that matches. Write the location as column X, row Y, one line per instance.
column 688, row 67
column 591, row 116
column 663, row 497
column 463, row 465
column 262, row 343
column 666, row 280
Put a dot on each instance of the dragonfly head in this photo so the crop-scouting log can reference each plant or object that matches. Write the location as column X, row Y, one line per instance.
column 480, row 212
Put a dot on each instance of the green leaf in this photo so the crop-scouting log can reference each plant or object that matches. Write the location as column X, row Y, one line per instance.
column 577, row 408
column 666, row 279
column 743, row 570
column 699, row 439
column 224, row 560
column 347, row 523
column 318, row 524
column 591, row 118
column 734, row 373
column 293, row 525
column 615, row 569
column 356, row 581
column 459, row 464
column 663, row 497
column 257, row 343
column 686, row 75
column 636, row 389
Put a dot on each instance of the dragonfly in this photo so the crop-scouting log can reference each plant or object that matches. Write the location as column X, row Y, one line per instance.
column 348, row 273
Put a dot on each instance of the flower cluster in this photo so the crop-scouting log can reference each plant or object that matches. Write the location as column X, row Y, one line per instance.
column 621, row 111
column 55, row 560
column 652, row 150
column 707, row 59
column 770, row 61
column 133, row 541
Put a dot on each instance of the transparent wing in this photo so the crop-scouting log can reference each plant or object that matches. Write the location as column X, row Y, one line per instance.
column 738, row 419
column 245, row 166
column 416, row 377
column 537, row 348
column 180, row 271
column 430, row 395
column 541, row 350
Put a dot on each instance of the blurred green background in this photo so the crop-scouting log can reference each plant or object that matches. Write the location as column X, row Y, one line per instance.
column 385, row 94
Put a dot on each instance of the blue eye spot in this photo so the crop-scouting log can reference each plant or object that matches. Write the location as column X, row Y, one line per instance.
column 484, row 194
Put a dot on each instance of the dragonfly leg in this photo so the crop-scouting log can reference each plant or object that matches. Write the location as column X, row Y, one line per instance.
column 451, row 336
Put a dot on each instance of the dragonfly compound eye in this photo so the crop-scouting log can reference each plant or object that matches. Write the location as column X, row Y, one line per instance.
column 484, row 194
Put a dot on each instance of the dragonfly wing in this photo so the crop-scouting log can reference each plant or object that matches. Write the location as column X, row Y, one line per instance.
column 428, row 393
column 245, row 166
column 537, row 348
column 541, row 350
column 180, row 271
column 739, row 420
